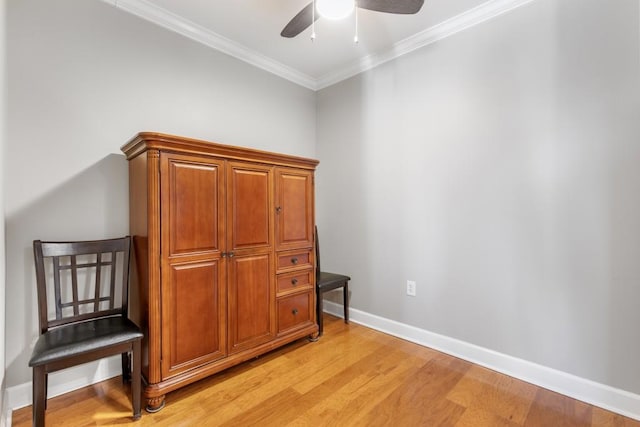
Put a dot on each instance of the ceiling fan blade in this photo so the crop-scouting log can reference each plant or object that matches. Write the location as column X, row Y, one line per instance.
column 405, row 7
column 300, row 22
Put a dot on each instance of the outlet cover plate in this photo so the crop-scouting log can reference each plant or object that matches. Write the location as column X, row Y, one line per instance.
column 411, row 288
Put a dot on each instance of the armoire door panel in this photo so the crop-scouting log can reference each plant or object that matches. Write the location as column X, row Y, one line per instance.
column 194, row 314
column 249, row 201
column 192, row 193
column 294, row 209
column 251, row 301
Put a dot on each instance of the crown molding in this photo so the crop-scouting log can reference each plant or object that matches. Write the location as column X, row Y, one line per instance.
column 456, row 24
column 180, row 25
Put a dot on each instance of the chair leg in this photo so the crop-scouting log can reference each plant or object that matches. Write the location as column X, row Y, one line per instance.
column 345, row 291
column 319, row 314
column 46, row 389
column 126, row 367
column 39, row 395
column 136, row 380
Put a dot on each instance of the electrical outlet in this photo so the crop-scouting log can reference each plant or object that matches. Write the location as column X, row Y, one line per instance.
column 411, row 288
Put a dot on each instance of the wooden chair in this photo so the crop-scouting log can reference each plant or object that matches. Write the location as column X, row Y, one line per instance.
column 326, row 282
column 76, row 283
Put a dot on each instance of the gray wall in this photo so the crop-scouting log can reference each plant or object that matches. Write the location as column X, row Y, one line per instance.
column 3, row 111
column 498, row 168
column 84, row 77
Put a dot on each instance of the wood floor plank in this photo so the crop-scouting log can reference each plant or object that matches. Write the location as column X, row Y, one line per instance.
column 353, row 376
column 476, row 417
column 427, row 388
column 604, row 418
column 554, row 409
column 481, row 390
column 360, row 393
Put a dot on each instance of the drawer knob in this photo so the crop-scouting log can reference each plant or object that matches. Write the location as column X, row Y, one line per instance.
column 294, row 281
column 294, row 260
column 294, row 311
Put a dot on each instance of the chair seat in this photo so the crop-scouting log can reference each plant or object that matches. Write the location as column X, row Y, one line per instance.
column 84, row 337
column 329, row 281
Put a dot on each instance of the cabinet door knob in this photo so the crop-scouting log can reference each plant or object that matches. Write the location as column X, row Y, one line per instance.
column 230, row 254
column 278, row 209
column 294, row 281
column 294, row 260
column 294, row 311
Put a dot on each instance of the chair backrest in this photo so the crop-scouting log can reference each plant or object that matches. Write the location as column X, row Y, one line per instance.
column 78, row 281
column 317, row 253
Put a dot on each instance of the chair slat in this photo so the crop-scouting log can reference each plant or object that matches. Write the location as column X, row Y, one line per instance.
column 74, row 285
column 56, row 287
column 113, row 280
column 96, row 305
column 84, row 302
column 88, row 265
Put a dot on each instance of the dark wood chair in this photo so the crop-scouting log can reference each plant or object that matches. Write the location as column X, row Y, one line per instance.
column 326, row 282
column 82, row 306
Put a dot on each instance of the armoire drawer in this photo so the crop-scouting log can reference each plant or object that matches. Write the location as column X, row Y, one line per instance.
column 294, row 311
column 294, row 260
column 296, row 281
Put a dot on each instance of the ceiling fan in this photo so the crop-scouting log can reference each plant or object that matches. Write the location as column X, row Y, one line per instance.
column 337, row 9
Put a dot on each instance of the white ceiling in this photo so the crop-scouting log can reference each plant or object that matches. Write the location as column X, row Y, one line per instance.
column 250, row 30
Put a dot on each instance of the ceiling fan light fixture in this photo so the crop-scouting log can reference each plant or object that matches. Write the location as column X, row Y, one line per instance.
column 335, row 9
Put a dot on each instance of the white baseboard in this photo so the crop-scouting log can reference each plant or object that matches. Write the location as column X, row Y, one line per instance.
column 64, row 381
column 601, row 395
column 5, row 420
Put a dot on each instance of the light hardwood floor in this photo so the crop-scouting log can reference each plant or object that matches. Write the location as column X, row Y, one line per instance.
column 353, row 376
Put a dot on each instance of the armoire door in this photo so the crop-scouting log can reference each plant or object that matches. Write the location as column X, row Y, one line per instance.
column 251, row 278
column 294, row 209
column 192, row 269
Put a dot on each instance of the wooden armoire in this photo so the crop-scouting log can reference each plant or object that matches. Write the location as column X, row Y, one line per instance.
column 223, row 265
